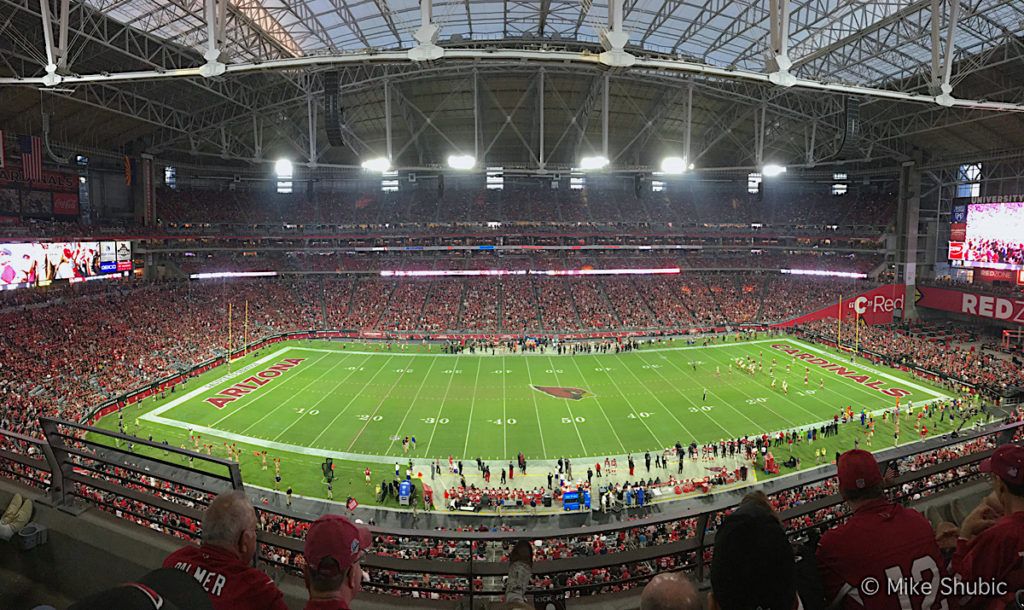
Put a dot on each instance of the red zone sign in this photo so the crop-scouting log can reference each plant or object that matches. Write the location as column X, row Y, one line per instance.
column 251, row 384
column 842, row 371
column 980, row 305
column 875, row 306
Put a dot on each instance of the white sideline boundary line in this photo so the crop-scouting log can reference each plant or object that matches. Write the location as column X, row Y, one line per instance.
column 812, row 348
column 154, row 415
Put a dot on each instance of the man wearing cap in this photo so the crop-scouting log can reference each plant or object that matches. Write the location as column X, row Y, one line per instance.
column 223, row 564
column 880, row 542
column 991, row 539
column 333, row 548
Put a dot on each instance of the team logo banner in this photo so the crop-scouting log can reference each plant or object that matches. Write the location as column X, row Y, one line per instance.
column 560, row 392
column 875, row 306
column 988, row 306
column 956, row 251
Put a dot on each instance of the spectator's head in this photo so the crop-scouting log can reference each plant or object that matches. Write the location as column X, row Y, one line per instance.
column 165, row 588
column 860, row 480
column 522, row 551
column 334, row 546
column 1007, row 468
column 753, row 564
column 670, row 591
column 230, row 523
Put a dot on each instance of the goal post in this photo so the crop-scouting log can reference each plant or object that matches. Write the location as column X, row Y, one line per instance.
column 1013, row 337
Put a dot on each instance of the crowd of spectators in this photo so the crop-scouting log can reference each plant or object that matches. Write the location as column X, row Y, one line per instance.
column 532, row 202
column 91, row 342
column 907, row 345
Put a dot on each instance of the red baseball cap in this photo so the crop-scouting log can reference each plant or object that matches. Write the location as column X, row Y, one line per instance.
column 858, row 470
column 335, row 537
column 1007, row 462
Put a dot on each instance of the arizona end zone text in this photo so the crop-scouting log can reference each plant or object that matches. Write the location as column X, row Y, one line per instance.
column 842, row 371
column 251, row 384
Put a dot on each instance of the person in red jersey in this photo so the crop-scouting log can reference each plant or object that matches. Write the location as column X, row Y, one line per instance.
column 880, row 543
column 991, row 543
column 223, row 564
column 334, row 546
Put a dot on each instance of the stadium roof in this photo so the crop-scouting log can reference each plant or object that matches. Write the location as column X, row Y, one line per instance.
column 128, row 77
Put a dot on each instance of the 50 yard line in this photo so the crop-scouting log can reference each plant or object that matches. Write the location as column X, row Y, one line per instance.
column 598, row 401
column 536, row 408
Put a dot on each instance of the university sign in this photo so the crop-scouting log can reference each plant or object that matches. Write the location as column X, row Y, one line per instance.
column 1005, row 309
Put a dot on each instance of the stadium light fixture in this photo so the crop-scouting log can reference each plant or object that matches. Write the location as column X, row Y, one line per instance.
column 461, row 161
column 380, row 164
column 771, row 170
column 673, row 165
column 592, row 163
column 283, row 168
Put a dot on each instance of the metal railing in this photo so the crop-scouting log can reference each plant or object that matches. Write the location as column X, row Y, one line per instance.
column 168, row 488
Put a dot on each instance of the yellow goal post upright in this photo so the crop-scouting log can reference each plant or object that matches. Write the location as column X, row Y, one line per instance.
column 229, row 337
column 839, row 323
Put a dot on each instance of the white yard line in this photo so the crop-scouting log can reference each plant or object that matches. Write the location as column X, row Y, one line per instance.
column 536, row 407
column 351, row 400
column 398, row 433
column 154, row 415
column 374, row 414
column 437, row 417
column 599, row 406
column 472, row 404
column 631, row 407
column 682, row 395
column 293, row 395
column 882, row 374
column 254, row 398
column 322, row 398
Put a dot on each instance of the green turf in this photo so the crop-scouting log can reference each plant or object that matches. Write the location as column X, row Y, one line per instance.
column 353, row 401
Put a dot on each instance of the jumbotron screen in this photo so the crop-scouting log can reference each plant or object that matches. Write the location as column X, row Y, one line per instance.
column 24, row 265
column 995, row 235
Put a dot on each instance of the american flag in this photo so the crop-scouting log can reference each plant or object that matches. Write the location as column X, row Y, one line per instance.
column 31, row 157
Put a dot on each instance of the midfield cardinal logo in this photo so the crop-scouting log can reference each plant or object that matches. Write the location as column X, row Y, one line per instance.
column 560, row 392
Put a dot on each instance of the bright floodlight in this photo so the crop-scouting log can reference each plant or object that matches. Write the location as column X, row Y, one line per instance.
column 283, row 168
column 673, row 165
column 461, row 161
column 771, row 170
column 380, row 164
column 593, row 162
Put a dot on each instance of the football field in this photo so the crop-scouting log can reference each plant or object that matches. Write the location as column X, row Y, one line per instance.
column 306, row 400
